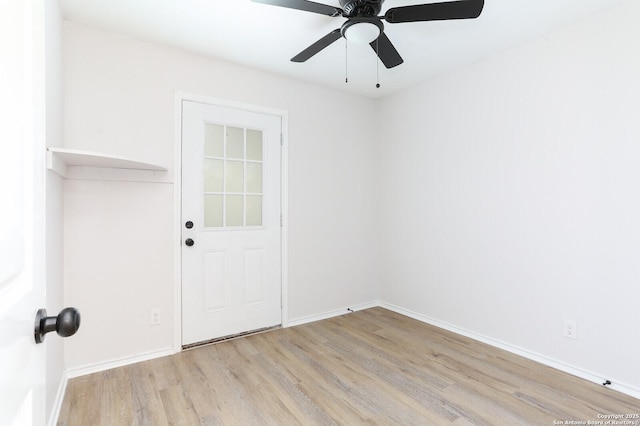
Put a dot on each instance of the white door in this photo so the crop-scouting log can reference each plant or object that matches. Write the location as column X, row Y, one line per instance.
column 21, row 221
column 231, row 224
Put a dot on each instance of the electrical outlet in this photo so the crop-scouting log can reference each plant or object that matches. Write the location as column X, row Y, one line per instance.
column 570, row 329
column 155, row 317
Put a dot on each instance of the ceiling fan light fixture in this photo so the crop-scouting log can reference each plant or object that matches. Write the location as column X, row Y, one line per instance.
column 362, row 30
column 362, row 33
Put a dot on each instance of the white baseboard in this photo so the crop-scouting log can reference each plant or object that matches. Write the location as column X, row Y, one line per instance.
column 119, row 362
column 550, row 362
column 57, row 402
column 331, row 314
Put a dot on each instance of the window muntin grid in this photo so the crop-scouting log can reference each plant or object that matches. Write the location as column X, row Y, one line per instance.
column 233, row 176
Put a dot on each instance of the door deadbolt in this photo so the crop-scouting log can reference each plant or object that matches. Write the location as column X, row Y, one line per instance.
column 188, row 225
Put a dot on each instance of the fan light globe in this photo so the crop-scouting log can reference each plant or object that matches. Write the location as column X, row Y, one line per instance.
column 362, row 33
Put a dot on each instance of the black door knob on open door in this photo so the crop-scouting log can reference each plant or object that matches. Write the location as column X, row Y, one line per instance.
column 189, row 242
column 65, row 324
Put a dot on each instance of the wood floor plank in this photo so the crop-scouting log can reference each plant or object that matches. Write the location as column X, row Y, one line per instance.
column 178, row 407
column 370, row 367
column 145, row 396
column 116, row 406
column 84, row 401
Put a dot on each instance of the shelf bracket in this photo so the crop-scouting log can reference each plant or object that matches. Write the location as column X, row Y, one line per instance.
column 55, row 164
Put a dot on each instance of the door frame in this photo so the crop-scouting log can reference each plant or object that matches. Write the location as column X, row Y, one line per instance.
column 177, row 201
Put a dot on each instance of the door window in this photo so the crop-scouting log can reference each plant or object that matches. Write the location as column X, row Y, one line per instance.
column 233, row 177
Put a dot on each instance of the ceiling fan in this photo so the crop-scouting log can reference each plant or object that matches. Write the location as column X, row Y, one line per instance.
column 363, row 24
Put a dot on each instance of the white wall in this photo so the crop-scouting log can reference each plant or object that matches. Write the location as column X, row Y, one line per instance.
column 119, row 99
column 514, row 197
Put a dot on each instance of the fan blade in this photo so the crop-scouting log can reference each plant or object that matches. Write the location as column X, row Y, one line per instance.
column 464, row 9
column 386, row 52
column 317, row 46
column 307, row 6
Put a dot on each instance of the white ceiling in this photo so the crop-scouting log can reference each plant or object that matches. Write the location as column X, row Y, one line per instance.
column 266, row 37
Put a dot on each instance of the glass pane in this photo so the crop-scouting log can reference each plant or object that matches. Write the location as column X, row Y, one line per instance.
column 213, row 175
column 234, row 176
column 235, row 142
column 212, row 211
column 254, row 210
column 234, row 212
column 254, row 145
column 213, row 140
column 254, row 178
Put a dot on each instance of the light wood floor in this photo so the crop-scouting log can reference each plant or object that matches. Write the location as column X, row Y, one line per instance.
column 372, row 366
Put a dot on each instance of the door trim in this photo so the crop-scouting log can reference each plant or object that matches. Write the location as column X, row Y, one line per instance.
column 177, row 201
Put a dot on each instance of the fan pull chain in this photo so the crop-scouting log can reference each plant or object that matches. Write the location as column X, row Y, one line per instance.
column 346, row 61
column 377, row 64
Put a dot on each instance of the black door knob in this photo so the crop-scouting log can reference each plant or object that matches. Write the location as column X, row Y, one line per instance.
column 65, row 324
column 189, row 242
column 188, row 225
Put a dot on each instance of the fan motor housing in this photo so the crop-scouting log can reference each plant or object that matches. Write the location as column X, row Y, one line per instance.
column 361, row 7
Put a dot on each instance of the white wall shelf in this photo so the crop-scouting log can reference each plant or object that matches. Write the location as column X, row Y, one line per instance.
column 63, row 160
